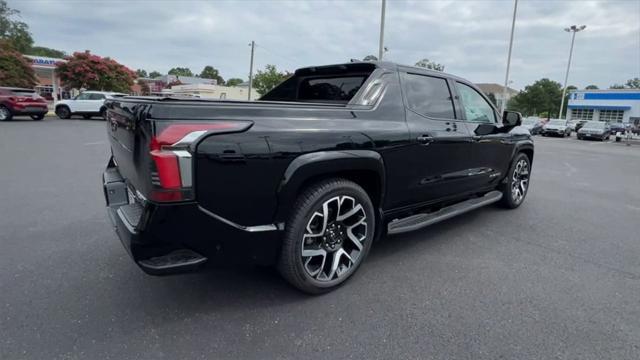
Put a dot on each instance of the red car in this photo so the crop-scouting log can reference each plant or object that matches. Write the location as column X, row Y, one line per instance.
column 17, row 101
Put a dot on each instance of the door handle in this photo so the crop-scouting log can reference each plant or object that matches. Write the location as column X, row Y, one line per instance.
column 425, row 139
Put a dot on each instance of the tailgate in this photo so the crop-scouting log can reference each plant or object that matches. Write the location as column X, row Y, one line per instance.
column 130, row 137
column 154, row 156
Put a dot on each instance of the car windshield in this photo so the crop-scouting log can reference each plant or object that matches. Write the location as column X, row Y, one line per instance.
column 529, row 122
column 594, row 125
column 557, row 122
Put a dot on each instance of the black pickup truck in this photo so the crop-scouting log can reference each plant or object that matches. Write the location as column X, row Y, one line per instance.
column 308, row 176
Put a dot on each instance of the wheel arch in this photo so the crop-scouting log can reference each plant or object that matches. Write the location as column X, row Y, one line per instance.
column 526, row 149
column 364, row 167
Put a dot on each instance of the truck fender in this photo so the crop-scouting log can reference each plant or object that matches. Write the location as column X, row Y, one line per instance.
column 323, row 164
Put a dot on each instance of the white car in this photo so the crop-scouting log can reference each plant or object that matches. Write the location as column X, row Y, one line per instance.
column 87, row 104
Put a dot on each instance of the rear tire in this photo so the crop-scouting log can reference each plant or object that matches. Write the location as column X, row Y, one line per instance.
column 37, row 117
column 63, row 112
column 516, row 187
column 327, row 237
column 5, row 114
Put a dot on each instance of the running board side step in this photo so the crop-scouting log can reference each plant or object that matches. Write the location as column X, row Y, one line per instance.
column 178, row 261
column 418, row 221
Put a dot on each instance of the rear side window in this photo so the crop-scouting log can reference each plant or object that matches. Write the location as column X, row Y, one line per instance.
column 428, row 95
column 96, row 96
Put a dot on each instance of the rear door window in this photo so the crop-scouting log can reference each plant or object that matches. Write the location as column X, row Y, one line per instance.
column 428, row 95
column 96, row 96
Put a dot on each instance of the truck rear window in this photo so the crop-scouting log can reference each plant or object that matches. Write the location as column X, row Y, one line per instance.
column 335, row 84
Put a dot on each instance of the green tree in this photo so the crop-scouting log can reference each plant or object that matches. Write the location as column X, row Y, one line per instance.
column 492, row 97
column 15, row 69
column 267, row 79
column 154, row 74
column 370, row 58
column 431, row 65
column 543, row 96
column 209, row 72
column 45, row 51
column 633, row 83
column 591, row 87
column 15, row 31
column 141, row 73
column 180, row 71
column 92, row 72
column 234, row 82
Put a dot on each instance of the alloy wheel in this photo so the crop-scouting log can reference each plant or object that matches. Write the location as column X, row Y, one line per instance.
column 520, row 181
column 4, row 113
column 332, row 243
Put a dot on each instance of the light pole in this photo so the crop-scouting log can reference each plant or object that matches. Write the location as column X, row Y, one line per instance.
column 573, row 29
column 506, row 77
column 381, row 45
column 253, row 45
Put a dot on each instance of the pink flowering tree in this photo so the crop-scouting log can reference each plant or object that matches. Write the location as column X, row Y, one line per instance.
column 84, row 70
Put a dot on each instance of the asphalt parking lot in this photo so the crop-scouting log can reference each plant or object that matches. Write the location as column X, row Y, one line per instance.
column 557, row 278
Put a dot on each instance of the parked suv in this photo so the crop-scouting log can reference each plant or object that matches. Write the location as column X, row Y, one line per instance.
column 87, row 104
column 309, row 175
column 18, row 101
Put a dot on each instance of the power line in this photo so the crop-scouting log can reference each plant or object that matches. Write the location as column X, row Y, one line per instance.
column 291, row 61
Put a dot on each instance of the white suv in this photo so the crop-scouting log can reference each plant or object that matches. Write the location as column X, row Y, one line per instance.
column 87, row 104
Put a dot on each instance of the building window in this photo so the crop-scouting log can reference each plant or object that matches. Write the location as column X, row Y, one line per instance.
column 611, row 115
column 582, row 114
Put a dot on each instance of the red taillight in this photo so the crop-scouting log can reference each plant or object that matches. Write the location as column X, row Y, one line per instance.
column 168, row 169
column 172, row 159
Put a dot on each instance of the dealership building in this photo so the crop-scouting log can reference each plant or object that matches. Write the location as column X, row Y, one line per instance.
column 48, row 84
column 613, row 105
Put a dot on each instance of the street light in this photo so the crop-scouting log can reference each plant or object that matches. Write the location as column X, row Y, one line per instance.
column 573, row 29
column 506, row 76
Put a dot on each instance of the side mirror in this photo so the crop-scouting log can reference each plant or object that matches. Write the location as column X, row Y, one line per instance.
column 511, row 118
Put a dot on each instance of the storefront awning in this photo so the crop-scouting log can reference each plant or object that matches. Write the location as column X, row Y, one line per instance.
column 600, row 107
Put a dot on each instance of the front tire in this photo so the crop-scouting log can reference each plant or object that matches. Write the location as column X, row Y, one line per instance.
column 327, row 237
column 517, row 183
column 63, row 112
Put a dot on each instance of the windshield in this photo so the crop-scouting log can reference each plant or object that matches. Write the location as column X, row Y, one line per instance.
column 529, row 122
column 594, row 125
column 557, row 122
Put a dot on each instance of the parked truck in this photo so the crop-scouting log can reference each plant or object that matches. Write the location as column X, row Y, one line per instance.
column 308, row 176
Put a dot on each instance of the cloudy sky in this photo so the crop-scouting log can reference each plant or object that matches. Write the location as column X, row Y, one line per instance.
column 469, row 37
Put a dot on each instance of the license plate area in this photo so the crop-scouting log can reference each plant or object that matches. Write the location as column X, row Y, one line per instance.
column 116, row 192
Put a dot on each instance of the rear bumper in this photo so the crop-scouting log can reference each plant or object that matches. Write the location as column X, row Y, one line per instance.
column 28, row 110
column 148, row 230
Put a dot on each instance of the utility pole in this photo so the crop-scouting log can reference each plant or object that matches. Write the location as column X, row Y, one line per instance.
column 573, row 29
column 381, row 45
column 253, row 45
column 506, row 77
